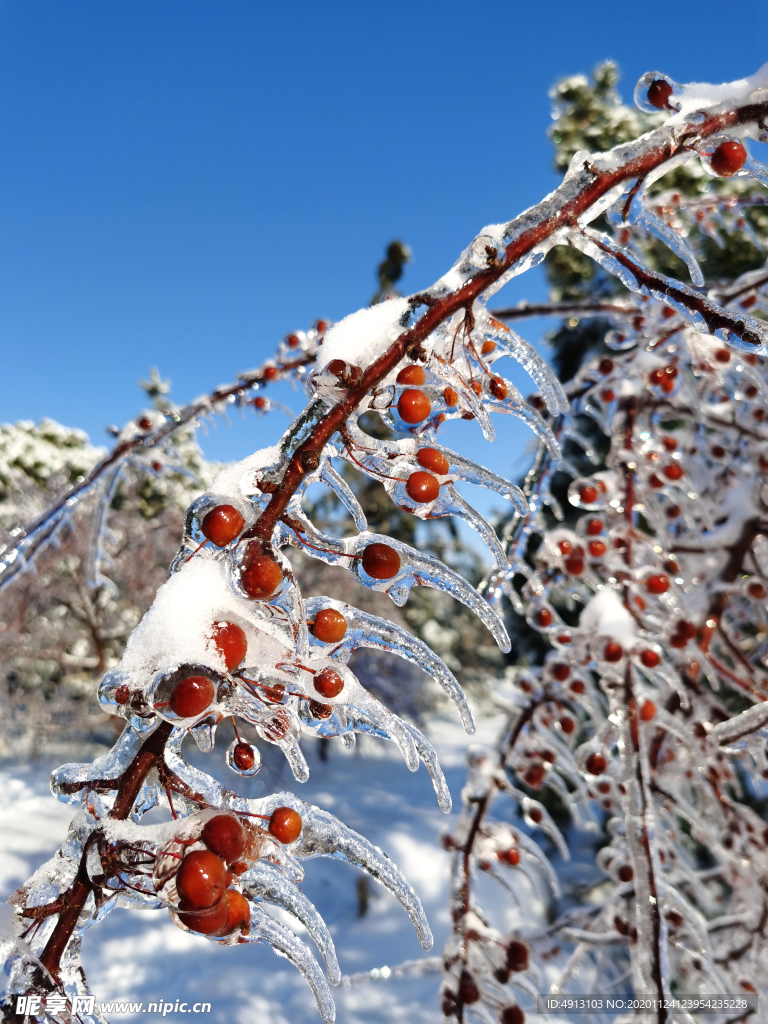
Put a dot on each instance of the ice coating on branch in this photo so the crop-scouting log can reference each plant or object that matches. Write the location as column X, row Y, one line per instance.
column 362, row 337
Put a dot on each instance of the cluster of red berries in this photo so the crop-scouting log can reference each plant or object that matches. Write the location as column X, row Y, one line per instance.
column 207, row 904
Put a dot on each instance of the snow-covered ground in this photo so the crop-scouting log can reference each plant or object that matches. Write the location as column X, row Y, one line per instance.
column 142, row 956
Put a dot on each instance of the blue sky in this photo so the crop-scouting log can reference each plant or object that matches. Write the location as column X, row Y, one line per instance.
column 183, row 183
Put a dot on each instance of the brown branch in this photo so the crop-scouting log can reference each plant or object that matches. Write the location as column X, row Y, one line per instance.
column 563, row 309
column 715, row 318
column 73, row 900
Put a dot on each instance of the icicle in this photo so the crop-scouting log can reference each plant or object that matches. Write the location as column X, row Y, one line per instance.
column 364, row 630
column 327, row 837
column 264, row 928
column 266, row 881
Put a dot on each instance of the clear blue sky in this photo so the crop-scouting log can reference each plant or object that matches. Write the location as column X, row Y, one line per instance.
column 183, row 183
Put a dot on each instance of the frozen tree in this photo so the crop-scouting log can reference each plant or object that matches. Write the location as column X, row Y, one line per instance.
column 229, row 635
column 61, row 628
column 638, row 587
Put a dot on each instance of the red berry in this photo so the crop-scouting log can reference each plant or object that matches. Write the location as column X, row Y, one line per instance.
column 211, row 921
column 650, row 658
column 330, row 626
column 536, row 814
column 625, row 873
column 260, row 403
column 498, row 388
column 270, row 373
column 488, row 347
column 231, row 643
column 669, row 443
column 560, row 671
column 717, row 451
column 202, row 879
column 238, row 912
column 567, row 725
column 517, row 956
column 596, row 764
column 565, row 547
column 468, row 990
column 588, row 494
column 607, row 394
column 512, row 1015
column 686, row 629
column 413, row 406
column 667, row 313
column 673, row 471
column 328, row 683
column 605, row 366
column 647, row 711
column 222, row 524
column 756, row 590
column 411, row 375
column 157, row 466
column 336, row 367
column 381, row 561
column 577, row 686
column 260, row 575
column 658, row 94
column 422, row 487
column 145, row 423
column 574, row 566
column 450, row 397
column 224, row 835
column 728, row 158
column 431, row 458
column 292, row 341
column 534, row 776
column 597, row 548
column 285, row 825
column 613, row 651
column 320, row 710
column 673, row 512
column 192, row 696
column 722, row 355
column 658, row 583
column 122, row 694
column 655, row 481
column 243, row 756
column 594, row 526
column 544, row 617
column 321, row 326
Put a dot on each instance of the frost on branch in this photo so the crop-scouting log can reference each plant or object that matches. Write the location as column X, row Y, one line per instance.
column 230, row 636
